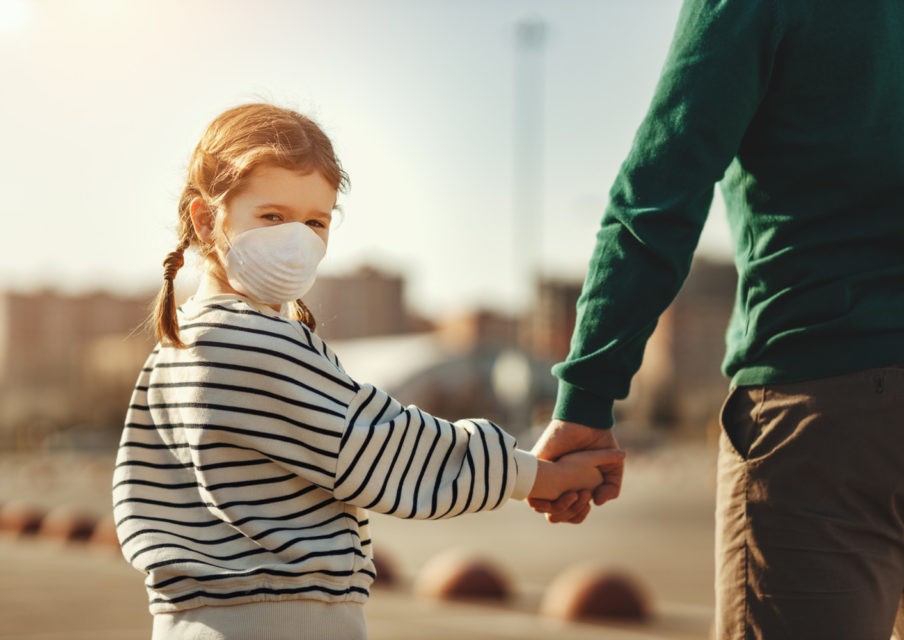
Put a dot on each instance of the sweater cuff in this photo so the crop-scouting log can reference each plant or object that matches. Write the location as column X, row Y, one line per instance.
column 526, row 465
column 574, row 404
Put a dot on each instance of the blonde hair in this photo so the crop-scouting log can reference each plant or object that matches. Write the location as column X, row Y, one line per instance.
column 234, row 144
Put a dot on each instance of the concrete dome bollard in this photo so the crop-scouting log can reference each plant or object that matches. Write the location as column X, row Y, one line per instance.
column 104, row 533
column 68, row 524
column 456, row 575
column 21, row 518
column 584, row 593
column 387, row 575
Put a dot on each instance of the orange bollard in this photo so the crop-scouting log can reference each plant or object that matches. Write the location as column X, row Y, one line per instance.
column 387, row 576
column 104, row 533
column 456, row 575
column 68, row 524
column 585, row 594
column 20, row 518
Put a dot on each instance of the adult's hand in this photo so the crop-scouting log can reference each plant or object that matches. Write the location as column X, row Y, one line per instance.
column 563, row 437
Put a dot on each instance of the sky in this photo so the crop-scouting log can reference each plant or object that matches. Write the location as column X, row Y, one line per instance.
column 103, row 101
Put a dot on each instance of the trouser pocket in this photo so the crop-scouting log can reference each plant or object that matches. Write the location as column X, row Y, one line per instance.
column 738, row 419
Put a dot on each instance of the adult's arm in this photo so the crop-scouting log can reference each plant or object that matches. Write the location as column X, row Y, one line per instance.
column 715, row 77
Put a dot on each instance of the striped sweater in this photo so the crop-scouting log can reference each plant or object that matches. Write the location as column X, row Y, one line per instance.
column 249, row 459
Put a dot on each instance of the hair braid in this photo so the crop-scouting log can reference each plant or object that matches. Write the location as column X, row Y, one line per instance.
column 301, row 312
column 164, row 320
column 173, row 262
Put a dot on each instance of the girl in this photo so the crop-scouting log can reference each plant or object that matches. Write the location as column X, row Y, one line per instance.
column 249, row 456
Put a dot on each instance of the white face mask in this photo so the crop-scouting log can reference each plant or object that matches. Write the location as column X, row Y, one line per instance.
column 273, row 265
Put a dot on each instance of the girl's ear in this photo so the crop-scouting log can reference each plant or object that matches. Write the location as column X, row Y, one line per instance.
column 201, row 219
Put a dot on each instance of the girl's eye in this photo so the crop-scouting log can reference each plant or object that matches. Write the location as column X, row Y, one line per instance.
column 272, row 217
column 315, row 223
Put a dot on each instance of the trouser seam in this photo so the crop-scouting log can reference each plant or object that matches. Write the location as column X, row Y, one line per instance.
column 746, row 467
column 746, row 617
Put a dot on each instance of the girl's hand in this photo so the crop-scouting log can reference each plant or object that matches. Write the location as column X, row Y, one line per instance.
column 581, row 470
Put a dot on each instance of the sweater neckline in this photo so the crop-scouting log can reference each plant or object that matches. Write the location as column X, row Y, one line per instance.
column 193, row 305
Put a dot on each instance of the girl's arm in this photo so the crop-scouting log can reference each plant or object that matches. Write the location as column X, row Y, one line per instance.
column 402, row 461
column 257, row 391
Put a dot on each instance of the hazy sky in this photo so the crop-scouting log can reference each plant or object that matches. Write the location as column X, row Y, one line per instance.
column 103, row 101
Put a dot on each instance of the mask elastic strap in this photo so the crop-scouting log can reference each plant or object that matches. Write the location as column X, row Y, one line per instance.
column 232, row 249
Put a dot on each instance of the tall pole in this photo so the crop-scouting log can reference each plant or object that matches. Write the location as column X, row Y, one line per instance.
column 530, row 45
column 513, row 369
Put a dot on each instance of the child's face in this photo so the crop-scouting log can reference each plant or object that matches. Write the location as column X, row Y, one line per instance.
column 273, row 195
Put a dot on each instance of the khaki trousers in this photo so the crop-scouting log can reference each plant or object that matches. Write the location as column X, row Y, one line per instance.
column 810, row 509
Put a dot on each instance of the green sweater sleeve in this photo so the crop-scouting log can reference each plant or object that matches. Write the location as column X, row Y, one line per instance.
column 716, row 73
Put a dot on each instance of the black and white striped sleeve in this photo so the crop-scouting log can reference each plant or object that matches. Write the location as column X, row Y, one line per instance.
column 237, row 394
column 404, row 462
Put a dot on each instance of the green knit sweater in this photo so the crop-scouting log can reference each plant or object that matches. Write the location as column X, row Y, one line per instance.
column 797, row 106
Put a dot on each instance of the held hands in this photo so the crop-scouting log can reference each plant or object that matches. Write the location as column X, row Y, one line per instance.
column 578, row 471
column 561, row 438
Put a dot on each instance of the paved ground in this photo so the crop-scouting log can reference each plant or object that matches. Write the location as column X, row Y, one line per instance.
column 660, row 531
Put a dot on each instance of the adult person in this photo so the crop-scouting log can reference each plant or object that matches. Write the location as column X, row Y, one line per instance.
column 797, row 107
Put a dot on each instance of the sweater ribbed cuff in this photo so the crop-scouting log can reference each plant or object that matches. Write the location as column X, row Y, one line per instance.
column 526, row 463
column 574, row 404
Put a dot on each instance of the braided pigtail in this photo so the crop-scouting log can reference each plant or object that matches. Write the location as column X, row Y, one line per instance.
column 299, row 311
column 166, row 326
column 163, row 319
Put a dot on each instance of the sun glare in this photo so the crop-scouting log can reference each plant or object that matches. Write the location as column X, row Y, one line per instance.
column 13, row 14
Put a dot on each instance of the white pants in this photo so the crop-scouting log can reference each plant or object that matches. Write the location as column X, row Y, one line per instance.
column 284, row 620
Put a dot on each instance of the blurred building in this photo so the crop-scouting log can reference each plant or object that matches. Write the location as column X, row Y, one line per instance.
column 478, row 330
column 68, row 361
column 680, row 382
column 49, row 344
column 546, row 329
column 366, row 302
